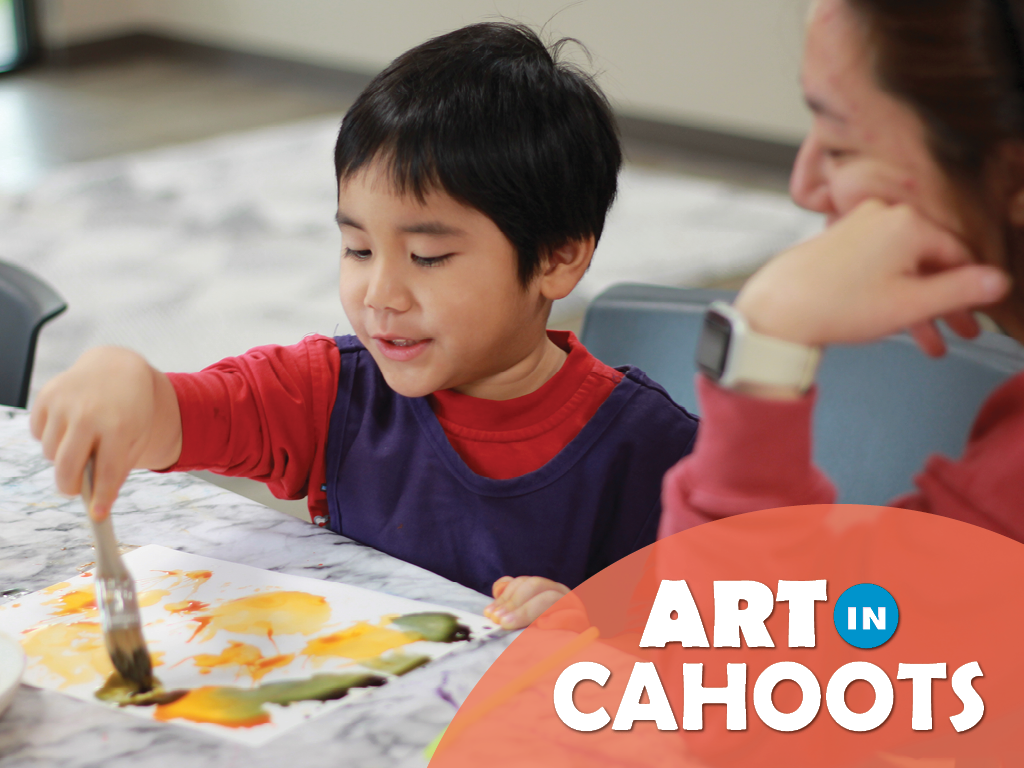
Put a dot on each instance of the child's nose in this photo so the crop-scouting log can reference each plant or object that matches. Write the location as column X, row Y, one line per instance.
column 387, row 289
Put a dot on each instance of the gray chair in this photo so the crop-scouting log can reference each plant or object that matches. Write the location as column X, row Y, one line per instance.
column 26, row 303
column 883, row 408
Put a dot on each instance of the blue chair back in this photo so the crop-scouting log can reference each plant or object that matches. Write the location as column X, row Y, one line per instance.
column 883, row 408
column 26, row 302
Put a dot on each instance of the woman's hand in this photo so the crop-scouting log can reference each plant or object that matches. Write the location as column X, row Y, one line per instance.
column 878, row 270
column 518, row 601
column 113, row 405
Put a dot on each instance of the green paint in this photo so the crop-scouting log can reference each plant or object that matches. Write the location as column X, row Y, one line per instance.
column 397, row 664
column 436, row 627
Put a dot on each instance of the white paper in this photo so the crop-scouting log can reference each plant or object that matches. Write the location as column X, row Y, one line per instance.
column 213, row 623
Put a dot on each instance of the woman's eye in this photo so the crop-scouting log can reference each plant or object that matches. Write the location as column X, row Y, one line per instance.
column 431, row 261
column 359, row 255
column 838, row 154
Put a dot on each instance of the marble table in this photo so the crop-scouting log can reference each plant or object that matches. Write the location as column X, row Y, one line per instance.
column 44, row 540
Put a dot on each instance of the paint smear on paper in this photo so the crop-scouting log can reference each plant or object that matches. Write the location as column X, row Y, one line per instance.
column 360, row 641
column 73, row 652
column 83, row 601
column 241, row 708
column 75, row 602
column 246, row 657
column 186, row 606
column 196, row 578
column 273, row 613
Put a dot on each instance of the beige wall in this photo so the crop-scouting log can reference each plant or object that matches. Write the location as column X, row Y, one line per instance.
column 723, row 64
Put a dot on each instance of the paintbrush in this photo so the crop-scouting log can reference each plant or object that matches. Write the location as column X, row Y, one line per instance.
column 117, row 601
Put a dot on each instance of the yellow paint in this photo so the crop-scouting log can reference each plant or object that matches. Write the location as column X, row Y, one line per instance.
column 57, row 587
column 360, row 641
column 211, row 704
column 75, row 602
column 247, row 657
column 273, row 613
column 151, row 597
column 73, row 652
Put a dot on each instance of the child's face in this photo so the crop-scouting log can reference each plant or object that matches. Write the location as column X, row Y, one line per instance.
column 431, row 289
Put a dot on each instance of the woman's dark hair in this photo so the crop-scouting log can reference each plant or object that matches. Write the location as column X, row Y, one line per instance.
column 488, row 115
column 959, row 64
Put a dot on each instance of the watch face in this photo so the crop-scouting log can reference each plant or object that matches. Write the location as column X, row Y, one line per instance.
column 714, row 344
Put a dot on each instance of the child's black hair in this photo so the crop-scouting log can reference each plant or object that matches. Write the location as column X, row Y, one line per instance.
column 488, row 115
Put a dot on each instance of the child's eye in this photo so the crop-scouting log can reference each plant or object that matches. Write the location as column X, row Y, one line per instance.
column 358, row 255
column 431, row 261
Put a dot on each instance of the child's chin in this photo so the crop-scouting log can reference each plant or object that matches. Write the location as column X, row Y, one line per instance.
column 405, row 386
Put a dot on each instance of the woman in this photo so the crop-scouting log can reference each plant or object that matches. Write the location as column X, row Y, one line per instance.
column 916, row 157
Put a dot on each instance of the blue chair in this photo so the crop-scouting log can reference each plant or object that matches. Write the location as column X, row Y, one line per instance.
column 883, row 408
column 26, row 303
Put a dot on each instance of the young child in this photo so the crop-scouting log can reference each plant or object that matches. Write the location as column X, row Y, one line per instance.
column 452, row 431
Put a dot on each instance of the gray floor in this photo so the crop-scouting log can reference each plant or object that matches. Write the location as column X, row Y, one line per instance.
column 60, row 113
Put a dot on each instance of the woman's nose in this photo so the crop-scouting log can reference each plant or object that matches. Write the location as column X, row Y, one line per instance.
column 808, row 183
column 386, row 289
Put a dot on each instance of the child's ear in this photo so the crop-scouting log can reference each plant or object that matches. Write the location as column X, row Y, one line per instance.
column 562, row 267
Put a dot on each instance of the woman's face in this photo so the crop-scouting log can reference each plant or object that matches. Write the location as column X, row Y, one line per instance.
column 863, row 142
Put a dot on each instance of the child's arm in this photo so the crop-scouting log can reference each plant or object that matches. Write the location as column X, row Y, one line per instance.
column 518, row 601
column 113, row 405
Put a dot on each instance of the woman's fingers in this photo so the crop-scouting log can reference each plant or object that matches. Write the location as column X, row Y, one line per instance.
column 954, row 290
column 928, row 337
column 963, row 323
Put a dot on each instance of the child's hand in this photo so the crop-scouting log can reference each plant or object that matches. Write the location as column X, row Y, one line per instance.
column 518, row 601
column 880, row 269
column 111, row 405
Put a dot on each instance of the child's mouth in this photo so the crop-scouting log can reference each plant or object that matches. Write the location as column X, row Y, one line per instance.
column 401, row 350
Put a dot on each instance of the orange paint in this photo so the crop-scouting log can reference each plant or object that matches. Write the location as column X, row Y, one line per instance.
column 186, row 606
column 211, row 704
column 198, row 578
column 273, row 613
column 247, row 657
column 361, row 641
column 75, row 602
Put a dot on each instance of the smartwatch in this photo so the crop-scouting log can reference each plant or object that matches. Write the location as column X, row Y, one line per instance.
column 730, row 353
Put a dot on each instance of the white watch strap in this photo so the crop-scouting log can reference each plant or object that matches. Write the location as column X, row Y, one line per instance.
column 754, row 358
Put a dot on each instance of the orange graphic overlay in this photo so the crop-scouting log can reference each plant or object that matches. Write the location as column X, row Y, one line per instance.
column 958, row 591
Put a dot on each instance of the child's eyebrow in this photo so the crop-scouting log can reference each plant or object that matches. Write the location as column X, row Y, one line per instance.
column 345, row 221
column 432, row 228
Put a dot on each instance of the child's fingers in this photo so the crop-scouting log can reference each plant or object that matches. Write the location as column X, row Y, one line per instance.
column 53, row 434
column 37, row 419
column 524, row 615
column 109, row 475
column 522, row 588
column 500, row 585
column 69, row 461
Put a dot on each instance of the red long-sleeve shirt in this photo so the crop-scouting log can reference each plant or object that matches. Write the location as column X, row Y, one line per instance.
column 265, row 415
column 753, row 453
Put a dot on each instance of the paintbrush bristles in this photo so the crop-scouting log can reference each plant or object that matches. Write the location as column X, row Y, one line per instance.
column 122, row 631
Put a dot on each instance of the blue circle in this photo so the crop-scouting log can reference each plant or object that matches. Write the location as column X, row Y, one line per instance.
column 866, row 615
